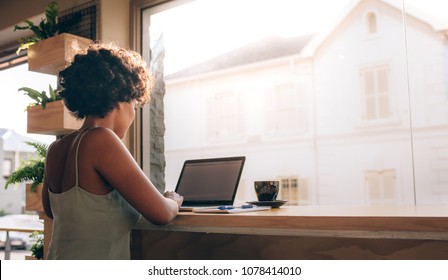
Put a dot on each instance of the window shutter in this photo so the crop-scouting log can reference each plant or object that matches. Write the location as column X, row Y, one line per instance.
column 373, row 185
column 389, row 185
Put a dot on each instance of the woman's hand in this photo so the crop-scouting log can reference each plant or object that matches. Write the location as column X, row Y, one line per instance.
column 174, row 196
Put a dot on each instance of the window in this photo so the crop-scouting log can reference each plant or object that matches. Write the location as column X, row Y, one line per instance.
column 372, row 27
column 381, row 186
column 286, row 109
column 225, row 119
column 376, row 93
column 340, row 108
column 7, row 167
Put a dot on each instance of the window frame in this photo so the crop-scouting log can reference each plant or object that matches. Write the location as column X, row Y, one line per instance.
column 136, row 40
column 377, row 95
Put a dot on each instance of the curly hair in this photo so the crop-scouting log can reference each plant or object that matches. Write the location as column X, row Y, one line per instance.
column 102, row 76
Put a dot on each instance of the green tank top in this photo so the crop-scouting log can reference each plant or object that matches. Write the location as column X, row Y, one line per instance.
column 88, row 226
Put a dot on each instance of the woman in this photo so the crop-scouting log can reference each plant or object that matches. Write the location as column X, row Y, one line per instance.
column 93, row 189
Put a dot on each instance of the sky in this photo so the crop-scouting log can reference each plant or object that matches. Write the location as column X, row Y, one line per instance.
column 252, row 20
column 13, row 105
column 306, row 16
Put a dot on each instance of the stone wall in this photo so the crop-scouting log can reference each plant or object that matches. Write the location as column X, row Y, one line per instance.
column 157, row 122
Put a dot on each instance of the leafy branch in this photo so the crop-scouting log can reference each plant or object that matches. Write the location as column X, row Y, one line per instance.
column 30, row 170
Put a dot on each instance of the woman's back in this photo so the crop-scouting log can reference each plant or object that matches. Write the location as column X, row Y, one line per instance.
column 89, row 226
column 86, row 225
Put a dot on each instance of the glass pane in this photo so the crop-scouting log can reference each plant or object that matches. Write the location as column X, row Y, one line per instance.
column 383, row 83
column 369, row 78
column 370, row 108
column 357, row 97
column 428, row 89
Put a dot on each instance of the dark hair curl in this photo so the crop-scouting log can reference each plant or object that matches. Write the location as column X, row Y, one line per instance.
column 102, row 76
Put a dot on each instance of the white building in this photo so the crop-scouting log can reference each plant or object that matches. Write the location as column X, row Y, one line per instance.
column 356, row 114
column 12, row 151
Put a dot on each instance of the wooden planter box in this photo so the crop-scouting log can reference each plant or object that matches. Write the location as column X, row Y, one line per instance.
column 33, row 200
column 55, row 119
column 51, row 55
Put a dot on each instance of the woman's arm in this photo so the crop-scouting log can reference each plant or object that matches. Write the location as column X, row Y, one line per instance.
column 115, row 164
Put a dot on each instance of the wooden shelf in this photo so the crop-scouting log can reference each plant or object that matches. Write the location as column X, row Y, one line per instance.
column 51, row 55
column 55, row 119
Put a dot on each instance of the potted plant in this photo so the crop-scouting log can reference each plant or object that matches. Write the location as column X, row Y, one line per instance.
column 37, row 249
column 31, row 170
column 47, row 114
column 41, row 97
column 50, row 45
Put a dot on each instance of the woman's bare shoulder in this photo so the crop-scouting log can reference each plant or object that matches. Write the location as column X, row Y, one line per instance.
column 101, row 139
column 101, row 136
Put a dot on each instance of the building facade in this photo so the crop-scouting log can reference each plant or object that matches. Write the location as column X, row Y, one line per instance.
column 354, row 115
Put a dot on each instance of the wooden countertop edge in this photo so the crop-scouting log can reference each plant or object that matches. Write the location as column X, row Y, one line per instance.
column 291, row 223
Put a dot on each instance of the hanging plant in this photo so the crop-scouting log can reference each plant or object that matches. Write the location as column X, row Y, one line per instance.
column 47, row 28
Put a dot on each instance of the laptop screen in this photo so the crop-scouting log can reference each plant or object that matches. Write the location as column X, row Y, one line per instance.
column 210, row 181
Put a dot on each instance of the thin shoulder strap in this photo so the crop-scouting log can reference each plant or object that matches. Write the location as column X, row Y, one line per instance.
column 76, row 155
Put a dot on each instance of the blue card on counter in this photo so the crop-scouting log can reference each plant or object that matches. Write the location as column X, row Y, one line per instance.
column 226, row 209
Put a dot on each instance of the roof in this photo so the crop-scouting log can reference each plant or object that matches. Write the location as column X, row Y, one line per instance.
column 267, row 48
column 13, row 141
column 437, row 24
column 273, row 46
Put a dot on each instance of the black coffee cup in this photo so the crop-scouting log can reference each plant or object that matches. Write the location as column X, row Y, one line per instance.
column 266, row 190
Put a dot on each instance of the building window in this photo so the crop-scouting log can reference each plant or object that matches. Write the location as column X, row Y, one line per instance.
column 7, row 167
column 381, row 186
column 375, row 83
column 225, row 118
column 286, row 109
column 294, row 190
column 372, row 26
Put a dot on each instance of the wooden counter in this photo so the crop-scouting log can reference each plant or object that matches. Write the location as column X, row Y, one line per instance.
column 392, row 232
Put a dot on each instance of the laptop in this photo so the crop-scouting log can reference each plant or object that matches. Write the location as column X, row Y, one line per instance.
column 209, row 182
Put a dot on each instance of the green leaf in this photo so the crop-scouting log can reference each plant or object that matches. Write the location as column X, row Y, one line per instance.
column 51, row 14
column 42, row 31
column 41, row 98
column 32, row 93
column 30, row 170
column 41, row 149
column 24, row 46
column 29, row 25
column 37, row 249
column 52, row 94
column 33, row 171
